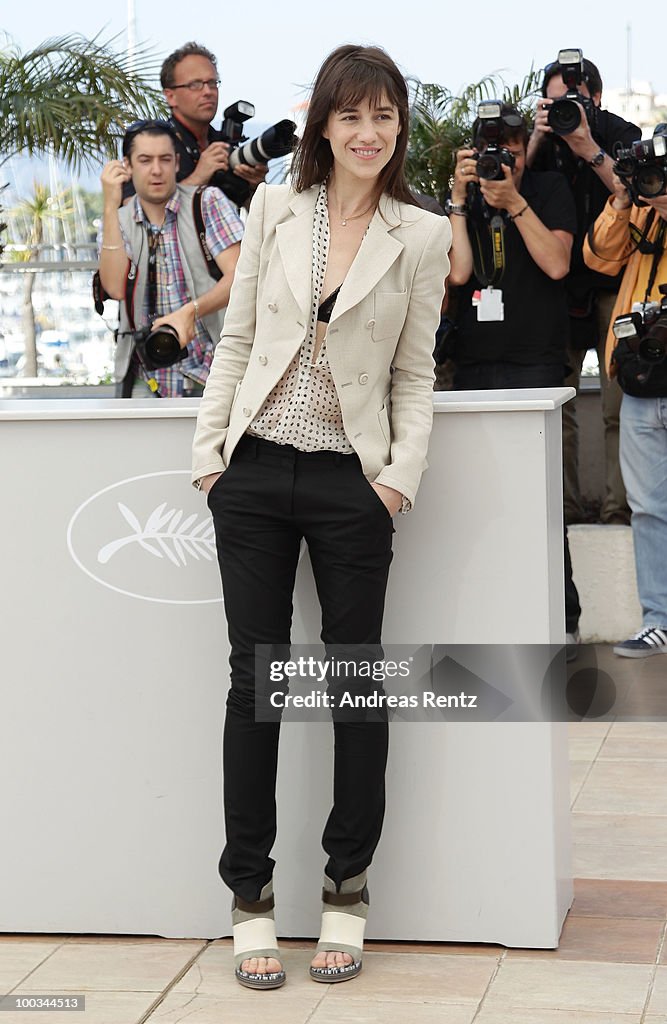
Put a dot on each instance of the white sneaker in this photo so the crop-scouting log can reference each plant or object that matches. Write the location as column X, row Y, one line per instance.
column 646, row 642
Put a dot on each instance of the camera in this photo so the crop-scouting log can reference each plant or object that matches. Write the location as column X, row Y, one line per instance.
column 159, row 348
column 491, row 135
column 645, row 331
column 642, row 167
column 276, row 141
column 564, row 115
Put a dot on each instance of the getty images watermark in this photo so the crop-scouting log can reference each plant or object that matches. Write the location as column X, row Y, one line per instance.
column 435, row 683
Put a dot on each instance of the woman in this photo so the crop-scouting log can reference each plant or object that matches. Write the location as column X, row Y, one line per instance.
column 314, row 425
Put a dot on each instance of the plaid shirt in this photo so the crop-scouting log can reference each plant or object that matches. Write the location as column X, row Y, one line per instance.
column 223, row 228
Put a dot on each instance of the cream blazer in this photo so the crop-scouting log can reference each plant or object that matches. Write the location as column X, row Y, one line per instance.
column 379, row 341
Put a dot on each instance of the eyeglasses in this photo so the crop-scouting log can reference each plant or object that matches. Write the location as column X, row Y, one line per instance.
column 152, row 123
column 197, row 84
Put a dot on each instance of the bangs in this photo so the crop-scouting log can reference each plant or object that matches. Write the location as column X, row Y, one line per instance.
column 366, row 82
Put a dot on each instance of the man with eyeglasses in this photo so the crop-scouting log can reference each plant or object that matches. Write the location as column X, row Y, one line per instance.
column 169, row 256
column 189, row 78
column 584, row 155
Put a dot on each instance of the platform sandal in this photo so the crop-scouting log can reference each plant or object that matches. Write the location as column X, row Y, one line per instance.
column 254, row 931
column 343, row 922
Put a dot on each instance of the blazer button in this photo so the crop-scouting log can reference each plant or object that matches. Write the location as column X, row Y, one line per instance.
column 371, row 323
column 263, row 360
column 273, row 307
column 363, row 378
column 246, row 412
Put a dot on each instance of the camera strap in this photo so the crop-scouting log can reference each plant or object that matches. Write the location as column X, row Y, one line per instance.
column 490, row 277
column 153, row 235
column 639, row 237
column 658, row 249
column 212, row 267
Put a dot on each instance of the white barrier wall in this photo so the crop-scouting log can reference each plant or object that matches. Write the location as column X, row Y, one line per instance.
column 114, row 676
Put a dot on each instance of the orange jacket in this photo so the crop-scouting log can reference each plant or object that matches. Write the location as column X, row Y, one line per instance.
column 614, row 249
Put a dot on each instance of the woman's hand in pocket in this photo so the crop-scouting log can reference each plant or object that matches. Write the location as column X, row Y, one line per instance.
column 208, row 481
column 390, row 498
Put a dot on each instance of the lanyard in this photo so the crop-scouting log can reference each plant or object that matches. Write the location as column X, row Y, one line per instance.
column 154, row 236
column 490, row 277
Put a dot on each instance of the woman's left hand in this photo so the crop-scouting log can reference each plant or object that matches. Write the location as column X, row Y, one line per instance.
column 390, row 498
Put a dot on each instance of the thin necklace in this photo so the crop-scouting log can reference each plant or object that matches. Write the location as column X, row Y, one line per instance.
column 355, row 216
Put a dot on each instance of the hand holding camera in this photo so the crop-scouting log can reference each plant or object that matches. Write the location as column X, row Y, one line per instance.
column 247, row 160
column 182, row 321
column 502, row 195
column 165, row 341
column 571, row 124
column 465, row 173
column 621, row 197
column 642, row 168
column 213, row 159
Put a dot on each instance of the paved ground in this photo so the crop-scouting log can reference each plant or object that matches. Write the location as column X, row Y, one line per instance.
column 611, row 967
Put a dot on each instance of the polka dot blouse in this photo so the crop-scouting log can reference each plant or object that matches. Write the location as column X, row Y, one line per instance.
column 303, row 409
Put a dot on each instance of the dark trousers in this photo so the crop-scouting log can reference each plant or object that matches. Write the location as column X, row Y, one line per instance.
column 269, row 499
column 492, row 376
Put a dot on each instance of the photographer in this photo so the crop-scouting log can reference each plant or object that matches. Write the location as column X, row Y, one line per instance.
column 189, row 78
column 634, row 238
column 153, row 258
column 574, row 136
column 525, row 340
column 511, row 243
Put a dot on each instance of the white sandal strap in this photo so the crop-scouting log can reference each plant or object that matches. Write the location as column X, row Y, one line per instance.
column 343, row 932
column 255, row 936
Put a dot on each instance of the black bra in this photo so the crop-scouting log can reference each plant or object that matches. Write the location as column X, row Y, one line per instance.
column 325, row 309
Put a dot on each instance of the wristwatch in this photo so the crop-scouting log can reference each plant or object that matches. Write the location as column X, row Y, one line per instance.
column 460, row 209
column 598, row 159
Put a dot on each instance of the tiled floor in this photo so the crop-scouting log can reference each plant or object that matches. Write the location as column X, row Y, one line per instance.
column 610, row 968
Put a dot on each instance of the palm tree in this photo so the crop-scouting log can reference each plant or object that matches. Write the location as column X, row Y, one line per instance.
column 441, row 123
column 37, row 210
column 72, row 97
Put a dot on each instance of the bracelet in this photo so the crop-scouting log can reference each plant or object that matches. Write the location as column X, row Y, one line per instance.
column 111, row 247
column 519, row 214
column 195, row 303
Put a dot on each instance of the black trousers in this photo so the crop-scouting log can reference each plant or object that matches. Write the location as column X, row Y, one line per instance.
column 269, row 499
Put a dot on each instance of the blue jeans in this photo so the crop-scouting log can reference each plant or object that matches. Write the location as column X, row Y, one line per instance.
column 644, row 467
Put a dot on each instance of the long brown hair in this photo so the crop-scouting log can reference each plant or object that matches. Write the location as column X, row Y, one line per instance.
column 349, row 75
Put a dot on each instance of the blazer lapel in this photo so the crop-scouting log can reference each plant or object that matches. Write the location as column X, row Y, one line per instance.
column 378, row 251
column 295, row 244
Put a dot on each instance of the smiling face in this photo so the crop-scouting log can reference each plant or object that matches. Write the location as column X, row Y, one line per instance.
column 153, row 163
column 362, row 138
column 194, row 109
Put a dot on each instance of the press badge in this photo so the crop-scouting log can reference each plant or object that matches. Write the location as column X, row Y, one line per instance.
column 490, row 305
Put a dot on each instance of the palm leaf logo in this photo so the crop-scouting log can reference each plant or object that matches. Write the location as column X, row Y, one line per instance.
column 165, row 534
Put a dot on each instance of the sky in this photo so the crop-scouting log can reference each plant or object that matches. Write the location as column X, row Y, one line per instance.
column 272, row 56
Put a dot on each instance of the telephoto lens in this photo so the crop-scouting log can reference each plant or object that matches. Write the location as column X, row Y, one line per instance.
column 159, row 348
column 276, row 141
column 163, row 347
